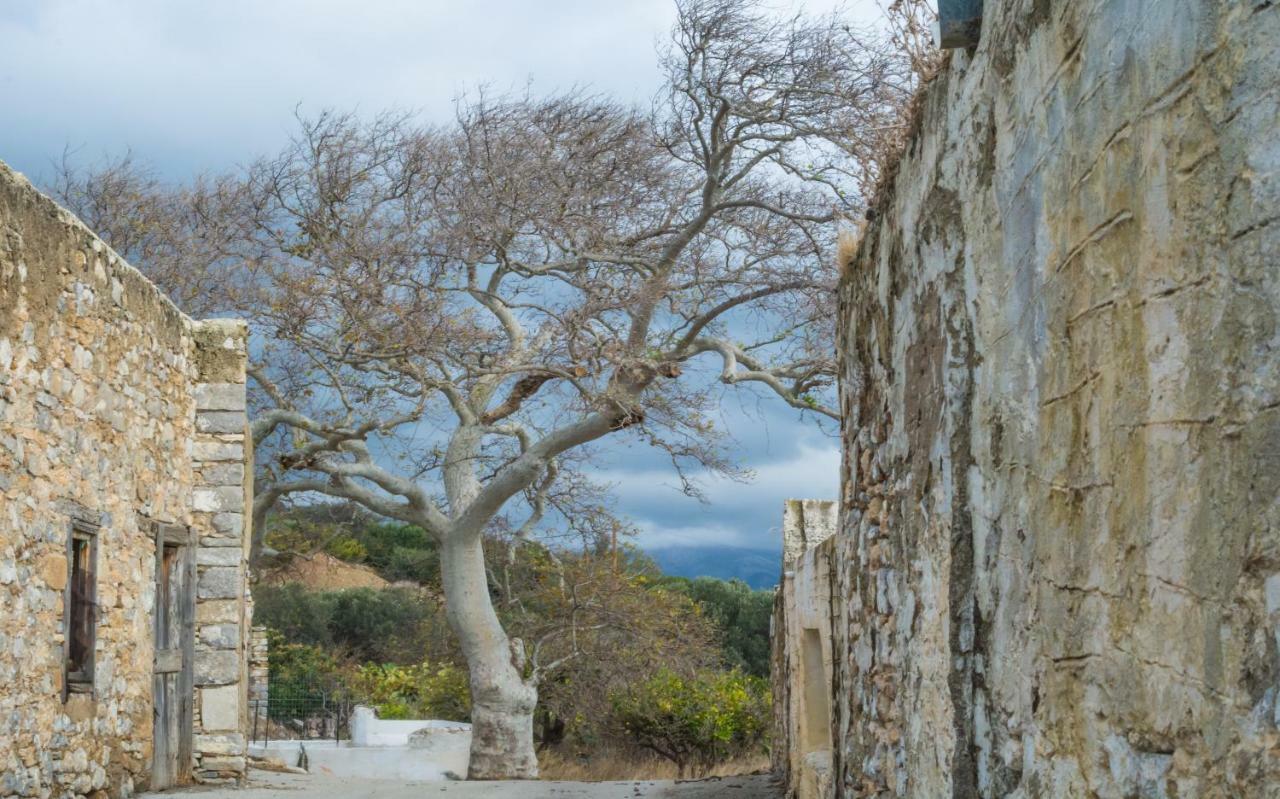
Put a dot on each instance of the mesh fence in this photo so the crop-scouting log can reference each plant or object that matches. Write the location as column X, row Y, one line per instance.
column 301, row 711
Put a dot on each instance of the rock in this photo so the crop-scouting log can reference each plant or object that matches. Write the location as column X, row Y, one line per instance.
column 223, row 498
column 219, row 710
column 205, row 451
column 220, row 421
column 220, row 397
column 220, row 582
column 217, row 668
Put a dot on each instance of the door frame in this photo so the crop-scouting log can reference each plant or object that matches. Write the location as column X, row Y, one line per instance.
column 170, row 764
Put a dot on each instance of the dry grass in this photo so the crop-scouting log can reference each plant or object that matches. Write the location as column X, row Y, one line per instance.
column 848, row 239
column 608, row 765
column 908, row 22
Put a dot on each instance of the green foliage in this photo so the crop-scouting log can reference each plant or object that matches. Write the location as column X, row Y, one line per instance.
column 421, row 566
column 696, row 721
column 381, row 626
column 740, row 613
column 400, row 552
column 300, row 677
column 422, row 691
column 348, row 549
column 638, row 651
column 396, row 551
column 297, row 615
column 387, row 626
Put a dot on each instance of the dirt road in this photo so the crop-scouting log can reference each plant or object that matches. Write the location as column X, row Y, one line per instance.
column 267, row 785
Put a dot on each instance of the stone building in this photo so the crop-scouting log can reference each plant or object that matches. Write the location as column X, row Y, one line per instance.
column 802, row 656
column 1057, row 566
column 123, row 490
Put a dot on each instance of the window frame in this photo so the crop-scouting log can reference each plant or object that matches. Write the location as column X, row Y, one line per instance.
column 80, row 681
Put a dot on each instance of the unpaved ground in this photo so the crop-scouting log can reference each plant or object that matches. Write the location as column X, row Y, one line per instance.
column 267, row 785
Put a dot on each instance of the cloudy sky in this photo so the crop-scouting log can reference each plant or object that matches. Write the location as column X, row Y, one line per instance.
column 201, row 86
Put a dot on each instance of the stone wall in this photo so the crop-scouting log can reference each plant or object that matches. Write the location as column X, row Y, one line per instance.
column 1059, row 566
column 103, row 398
column 222, row 460
column 802, row 649
column 259, row 670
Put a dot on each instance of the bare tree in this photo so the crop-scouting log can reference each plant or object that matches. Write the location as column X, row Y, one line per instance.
column 182, row 236
column 447, row 319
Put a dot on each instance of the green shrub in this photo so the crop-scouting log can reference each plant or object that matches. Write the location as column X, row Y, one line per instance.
column 298, row 615
column 381, row 626
column 422, row 566
column 423, row 691
column 384, row 626
column 348, row 549
column 300, row 678
column 697, row 721
column 740, row 613
column 401, row 552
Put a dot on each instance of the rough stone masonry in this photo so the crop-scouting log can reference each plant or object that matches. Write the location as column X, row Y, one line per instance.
column 1057, row 572
column 119, row 417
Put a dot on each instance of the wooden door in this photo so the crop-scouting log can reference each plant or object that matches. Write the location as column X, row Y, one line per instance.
column 172, row 683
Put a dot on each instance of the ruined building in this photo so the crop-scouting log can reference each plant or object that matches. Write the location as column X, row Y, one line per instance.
column 123, row 488
column 1056, row 569
column 801, row 653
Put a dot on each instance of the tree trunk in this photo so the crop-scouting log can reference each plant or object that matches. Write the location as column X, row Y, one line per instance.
column 502, row 700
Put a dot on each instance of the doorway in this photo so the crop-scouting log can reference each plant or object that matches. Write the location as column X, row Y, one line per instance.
column 173, row 680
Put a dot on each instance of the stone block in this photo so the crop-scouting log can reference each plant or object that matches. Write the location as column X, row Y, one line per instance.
column 222, row 474
column 219, row 582
column 222, row 541
column 223, row 764
column 220, row 397
column 218, row 610
column 229, row 524
column 53, row 570
column 225, row 744
column 207, row 451
column 220, row 636
column 220, row 422
column 219, row 667
column 221, row 498
column 220, row 709
column 218, row 556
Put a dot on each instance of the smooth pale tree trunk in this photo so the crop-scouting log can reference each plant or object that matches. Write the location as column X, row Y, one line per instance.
column 502, row 700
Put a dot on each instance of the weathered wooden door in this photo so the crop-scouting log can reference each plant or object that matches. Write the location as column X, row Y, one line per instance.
column 175, row 653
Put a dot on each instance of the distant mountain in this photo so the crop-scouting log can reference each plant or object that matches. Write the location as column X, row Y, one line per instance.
column 758, row 568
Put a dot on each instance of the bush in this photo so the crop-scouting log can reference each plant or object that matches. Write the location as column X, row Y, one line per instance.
column 396, row 551
column 699, row 721
column 300, row 677
column 348, row 549
column 424, row 691
column 385, row 626
column 298, row 615
column 741, row 614
column 421, row 566
column 400, row 552
column 391, row 625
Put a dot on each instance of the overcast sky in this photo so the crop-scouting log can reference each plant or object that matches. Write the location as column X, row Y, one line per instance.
column 201, row 86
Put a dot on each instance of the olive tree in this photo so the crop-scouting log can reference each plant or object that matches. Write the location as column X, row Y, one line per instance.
column 448, row 318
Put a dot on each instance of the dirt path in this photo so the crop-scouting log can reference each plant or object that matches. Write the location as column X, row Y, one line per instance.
column 266, row 785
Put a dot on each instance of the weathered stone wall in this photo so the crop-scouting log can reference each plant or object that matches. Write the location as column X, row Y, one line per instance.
column 1059, row 572
column 100, row 379
column 259, row 670
column 802, row 649
column 222, row 460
